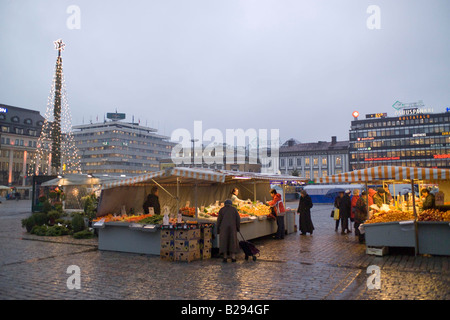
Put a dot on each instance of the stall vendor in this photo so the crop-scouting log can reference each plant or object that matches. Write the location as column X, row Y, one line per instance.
column 429, row 202
column 152, row 202
column 234, row 197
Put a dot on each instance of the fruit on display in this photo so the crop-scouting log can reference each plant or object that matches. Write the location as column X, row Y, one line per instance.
column 188, row 211
column 430, row 215
column 446, row 215
column 123, row 218
column 390, row 216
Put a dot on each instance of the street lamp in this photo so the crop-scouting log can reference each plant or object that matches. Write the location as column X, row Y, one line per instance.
column 193, row 143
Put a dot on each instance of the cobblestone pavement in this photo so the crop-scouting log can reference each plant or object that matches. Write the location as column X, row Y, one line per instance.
column 324, row 266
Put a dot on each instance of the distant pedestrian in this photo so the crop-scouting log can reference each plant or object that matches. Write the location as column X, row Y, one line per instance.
column 344, row 211
column 228, row 225
column 278, row 207
column 354, row 199
column 304, row 210
column 360, row 215
column 337, row 203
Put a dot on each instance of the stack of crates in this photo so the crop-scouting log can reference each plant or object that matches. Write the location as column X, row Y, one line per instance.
column 186, row 245
column 167, row 251
column 205, row 242
column 180, row 244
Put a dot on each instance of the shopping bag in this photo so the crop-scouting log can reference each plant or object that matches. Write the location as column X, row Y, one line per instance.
column 361, row 229
column 336, row 214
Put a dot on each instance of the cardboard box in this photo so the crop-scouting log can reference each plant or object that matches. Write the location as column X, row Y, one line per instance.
column 206, row 233
column 377, row 251
column 191, row 234
column 205, row 243
column 205, row 253
column 167, row 234
column 168, row 245
column 187, row 256
column 186, row 245
column 167, row 255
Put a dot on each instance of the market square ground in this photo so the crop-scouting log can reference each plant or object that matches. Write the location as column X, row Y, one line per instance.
column 324, row 266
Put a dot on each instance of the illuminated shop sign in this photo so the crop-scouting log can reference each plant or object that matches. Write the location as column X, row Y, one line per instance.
column 419, row 135
column 362, row 139
column 3, row 110
column 415, row 117
column 441, row 156
column 446, row 133
column 376, row 115
column 382, row 159
column 413, row 111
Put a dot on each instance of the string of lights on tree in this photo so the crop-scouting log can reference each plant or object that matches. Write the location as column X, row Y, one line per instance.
column 56, row 150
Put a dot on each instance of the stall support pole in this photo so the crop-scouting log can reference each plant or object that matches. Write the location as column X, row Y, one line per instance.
column 416, row 229
column 254, row 191
column 178, row 195
column 196, row 198
column 367, row 196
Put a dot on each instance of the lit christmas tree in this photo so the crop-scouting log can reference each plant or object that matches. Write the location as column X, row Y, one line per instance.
column 56, row 151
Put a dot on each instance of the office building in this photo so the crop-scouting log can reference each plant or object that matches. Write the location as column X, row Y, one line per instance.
column 19, row 133
column 119, row 148
column 413, row 137
column 314, row 160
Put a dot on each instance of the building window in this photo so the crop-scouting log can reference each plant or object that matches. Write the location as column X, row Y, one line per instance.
column 316, row 161
column 307, row 162
column 282, row 163
column 324, row 162
column 28, row 121
column 338, row 161
column 15, row 119
column 291, row 162
column 299, row 162
column 5, row 129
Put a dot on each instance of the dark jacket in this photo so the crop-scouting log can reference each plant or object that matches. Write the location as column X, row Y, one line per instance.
column 345, row 206
column 228, row 225
column 429, row 202
column 361, row 210
column 152, row 201
column 305, row 204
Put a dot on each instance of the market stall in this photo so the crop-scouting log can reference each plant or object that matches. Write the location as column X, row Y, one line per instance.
column 401, row 221
column 198, row 194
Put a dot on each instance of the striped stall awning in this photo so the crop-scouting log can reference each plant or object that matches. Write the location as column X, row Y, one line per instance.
column 169, row 177
column 388, row 173
column 133, row 180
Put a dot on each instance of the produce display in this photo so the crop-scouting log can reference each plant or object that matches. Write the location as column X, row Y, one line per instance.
column 245, row 210
column 434, row 215
column 122, row 218
column 390, row 216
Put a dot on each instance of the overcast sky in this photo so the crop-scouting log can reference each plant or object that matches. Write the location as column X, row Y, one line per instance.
column 300, row 66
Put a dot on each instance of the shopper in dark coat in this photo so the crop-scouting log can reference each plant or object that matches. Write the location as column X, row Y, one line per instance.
column 152, row 201
column 360, row 215
column 304, row 210
column 228, row 225
column 337, row 202
column 344, row 211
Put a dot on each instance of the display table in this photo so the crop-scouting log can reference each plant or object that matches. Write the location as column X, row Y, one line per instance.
column 391, row 234
column 434, row 237
column 124, row 237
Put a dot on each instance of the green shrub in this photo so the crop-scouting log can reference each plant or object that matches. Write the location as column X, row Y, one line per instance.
column 39, row 230
column 77, row 223
column 36, row 219
column 54, row 215
column 56, row 231
column 85, row 234
column 46, row 207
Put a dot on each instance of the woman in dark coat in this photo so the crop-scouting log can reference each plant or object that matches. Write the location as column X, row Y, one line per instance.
column 152, row 201
column 304, row 210
column 228, row 225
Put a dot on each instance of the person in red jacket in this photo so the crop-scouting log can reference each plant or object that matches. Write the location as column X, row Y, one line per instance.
column 278, row 206
column 353, row 204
